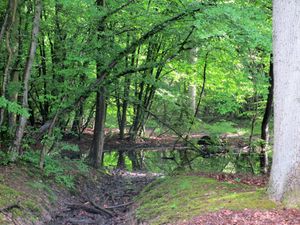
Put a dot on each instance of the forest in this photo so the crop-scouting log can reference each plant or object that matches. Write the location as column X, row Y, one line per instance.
column 149, row 112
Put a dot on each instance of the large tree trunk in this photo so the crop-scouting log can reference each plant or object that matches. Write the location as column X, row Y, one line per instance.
column 30, row 60
column 264, row 161
column 285, row 173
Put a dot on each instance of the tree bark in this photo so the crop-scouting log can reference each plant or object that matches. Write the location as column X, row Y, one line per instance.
column 9, row 22
column 96, row 151
column 264, row 160
column 30, row 60
column 285, row 174
column 4, row 25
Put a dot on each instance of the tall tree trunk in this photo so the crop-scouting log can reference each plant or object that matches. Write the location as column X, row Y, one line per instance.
column 264, row 161
column 96, row 151
column 285, row 173
column 15, row 77
column 5, row 21
column 30, row 60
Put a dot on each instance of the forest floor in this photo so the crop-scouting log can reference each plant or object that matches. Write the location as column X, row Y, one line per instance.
column 27, row 196
column 212, row 199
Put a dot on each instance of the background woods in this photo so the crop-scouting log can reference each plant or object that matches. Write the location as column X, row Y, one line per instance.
column 108, row 63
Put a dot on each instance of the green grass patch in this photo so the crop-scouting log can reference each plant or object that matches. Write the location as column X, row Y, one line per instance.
column 221, row 127
column 183, row 197
column 27, row 207
column 8, row 196
column 44, row 188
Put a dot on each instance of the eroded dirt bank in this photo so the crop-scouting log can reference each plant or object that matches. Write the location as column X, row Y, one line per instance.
column 107, row 201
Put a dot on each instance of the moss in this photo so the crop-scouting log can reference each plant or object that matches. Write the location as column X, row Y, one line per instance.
column 8, row 195
column 45, row 188
column 28, row 207
column 32, row 206
column 182, row 197
column 2, row 220
column 17, row 213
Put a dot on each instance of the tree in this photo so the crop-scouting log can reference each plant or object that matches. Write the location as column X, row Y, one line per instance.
column 27, row 72
column 265, row 135
column 285, row 173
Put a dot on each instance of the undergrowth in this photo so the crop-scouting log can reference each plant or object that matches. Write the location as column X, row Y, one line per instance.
column 62, row 171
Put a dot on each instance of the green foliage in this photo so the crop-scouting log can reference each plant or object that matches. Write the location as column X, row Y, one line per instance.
column 69, row 147
column 111, row 160
column 7, row 157
column 60, row 170
column 13, row 107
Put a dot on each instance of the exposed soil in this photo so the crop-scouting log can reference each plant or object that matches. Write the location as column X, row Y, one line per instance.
column 248, row 217
column 107, row 202
column 249, row 179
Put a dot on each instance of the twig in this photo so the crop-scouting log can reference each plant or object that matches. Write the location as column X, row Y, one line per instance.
column 105, row 210
column 118, row 206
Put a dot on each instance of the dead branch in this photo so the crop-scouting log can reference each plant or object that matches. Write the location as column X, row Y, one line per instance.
column 119, row 206
column 94, row 210
column 10, row 207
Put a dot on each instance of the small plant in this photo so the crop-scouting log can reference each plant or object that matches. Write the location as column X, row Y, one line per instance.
column 7, row 157
column 53, row 168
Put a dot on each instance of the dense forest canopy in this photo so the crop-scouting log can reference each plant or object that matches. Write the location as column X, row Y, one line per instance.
column 145, row 54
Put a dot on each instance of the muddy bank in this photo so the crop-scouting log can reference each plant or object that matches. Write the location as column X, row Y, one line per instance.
column 27, row 197
column 107, row 201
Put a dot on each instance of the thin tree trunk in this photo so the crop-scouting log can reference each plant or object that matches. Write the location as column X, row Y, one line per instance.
column 4, row 25
column 96, row 152
column 121, row 160
column 13, row 98
column 46, row 146
column 95, row 155
column 264, row 161
column 30, row 60
column 10, row 23
column 203, row 85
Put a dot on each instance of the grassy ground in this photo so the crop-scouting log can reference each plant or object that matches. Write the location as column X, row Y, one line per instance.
column 33, row 192
column 15, row 204
column 183, row 197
